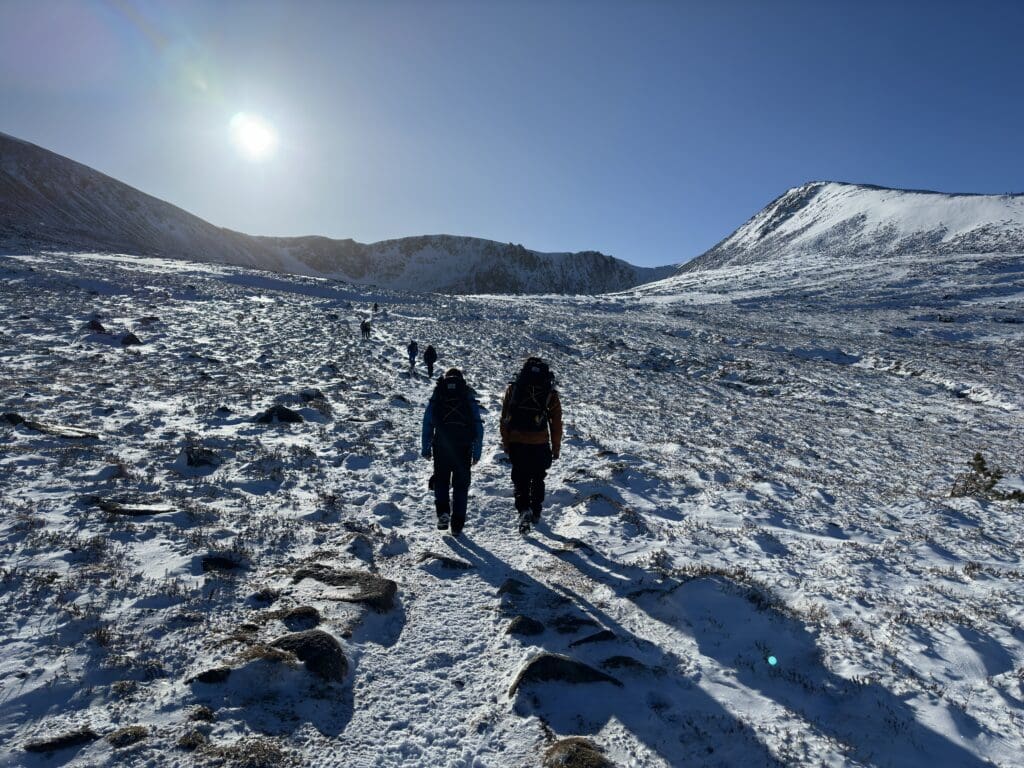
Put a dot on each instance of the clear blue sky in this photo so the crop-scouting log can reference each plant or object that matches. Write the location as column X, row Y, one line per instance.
column 648, row 130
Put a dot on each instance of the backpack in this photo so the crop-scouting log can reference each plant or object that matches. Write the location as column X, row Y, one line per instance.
column 453, row 411
column 531, row 396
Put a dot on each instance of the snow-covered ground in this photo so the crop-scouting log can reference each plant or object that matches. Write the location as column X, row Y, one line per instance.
column 753, row 501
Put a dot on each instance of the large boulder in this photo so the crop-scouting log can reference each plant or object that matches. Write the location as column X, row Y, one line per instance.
column 553, row 667
column 321, row 653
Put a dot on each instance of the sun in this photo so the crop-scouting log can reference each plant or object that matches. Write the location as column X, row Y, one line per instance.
column 254, row 137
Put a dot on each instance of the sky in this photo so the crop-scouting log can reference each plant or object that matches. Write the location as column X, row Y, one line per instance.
column 646, row 130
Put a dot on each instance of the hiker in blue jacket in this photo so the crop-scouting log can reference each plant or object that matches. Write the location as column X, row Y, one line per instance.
column 453, row 435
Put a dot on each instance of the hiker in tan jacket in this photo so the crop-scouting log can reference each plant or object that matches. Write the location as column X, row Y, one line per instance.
column 531, row 434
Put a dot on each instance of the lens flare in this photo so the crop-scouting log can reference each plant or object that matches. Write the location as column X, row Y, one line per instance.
column 253, row 136
column 772, row 661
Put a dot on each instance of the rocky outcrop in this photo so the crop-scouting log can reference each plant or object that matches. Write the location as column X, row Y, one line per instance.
column 553, row 667
column 321, row 653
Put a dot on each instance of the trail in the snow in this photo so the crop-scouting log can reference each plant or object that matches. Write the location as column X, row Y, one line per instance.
column 746, row 479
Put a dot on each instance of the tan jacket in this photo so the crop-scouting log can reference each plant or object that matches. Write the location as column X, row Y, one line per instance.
column 554, row 429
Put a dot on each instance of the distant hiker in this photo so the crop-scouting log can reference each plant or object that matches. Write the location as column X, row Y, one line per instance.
column 364, row 328
column 413, row 349
column 430, row 357
column 453, row 434
column 375, row 308
column 531, row 434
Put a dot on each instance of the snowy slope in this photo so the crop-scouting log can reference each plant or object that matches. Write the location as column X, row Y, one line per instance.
column 49, row 200
column 851, row 221
column 757, row 468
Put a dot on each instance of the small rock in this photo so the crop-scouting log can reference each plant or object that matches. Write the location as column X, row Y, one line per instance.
column 321, row 653
column 202, row 714
column 512, row 587
column 130, row 340
column 553, row 667
column 279, row 414
column 301, row 618
column 369, row 589
column 575, row 752
column 95, row 326
column 148, row 320
column 211, row 676
column 569, row 623
column 524, row 625
column 624, row 662
column 62, row 741
column 597, row 637
column 220, row 563
column 267, row 595
column 451, row 563
column 198, row 456
column 125, row 737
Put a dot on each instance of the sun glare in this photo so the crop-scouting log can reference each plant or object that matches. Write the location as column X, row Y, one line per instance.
column 253, row 136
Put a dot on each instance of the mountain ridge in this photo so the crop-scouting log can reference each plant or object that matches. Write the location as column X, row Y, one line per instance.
column 845, row 220
column 50, row 200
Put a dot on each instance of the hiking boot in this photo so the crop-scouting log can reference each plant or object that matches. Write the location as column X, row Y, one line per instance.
column 535, row 516
column 524, row 522
column 442, row 521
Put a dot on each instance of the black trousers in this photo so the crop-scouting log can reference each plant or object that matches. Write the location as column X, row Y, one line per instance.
column 530, row 464
column 452, row 469
column 430, row 368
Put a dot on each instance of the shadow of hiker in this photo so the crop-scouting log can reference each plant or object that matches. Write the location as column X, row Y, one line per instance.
column 659, row 702
column 741, row 629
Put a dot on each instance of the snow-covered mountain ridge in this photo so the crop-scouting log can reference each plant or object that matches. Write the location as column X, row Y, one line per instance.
column 49, row 200
column 846, row 221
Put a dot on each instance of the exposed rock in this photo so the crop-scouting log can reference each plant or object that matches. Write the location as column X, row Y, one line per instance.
column 524, row 625
column 133, row 508
column 202, row 714
column 575, row 752
column 148, row 320
column 221, row 563
column 125, row 737
column 512, row 587
column 266, row 595
column 130, row 340
column 597, row 637
column 452, row 563
column 553, row 667
column 95, row 326
column 624, row 662
column 62, row 741
column 301, row 618
column 367, row 588
column 199, row 457
column 321, row 653
column 211, row 676
column 569, row 623
column 57, row 430
column 279, row 414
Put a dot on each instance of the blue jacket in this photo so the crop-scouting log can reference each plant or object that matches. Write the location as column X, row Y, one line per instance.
column 478, row 428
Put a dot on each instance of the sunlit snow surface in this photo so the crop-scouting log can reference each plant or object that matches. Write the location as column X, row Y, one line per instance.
column 753, row 498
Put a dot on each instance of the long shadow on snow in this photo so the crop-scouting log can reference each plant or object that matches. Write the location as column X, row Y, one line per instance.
column 741, row 629
column 659, row 703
